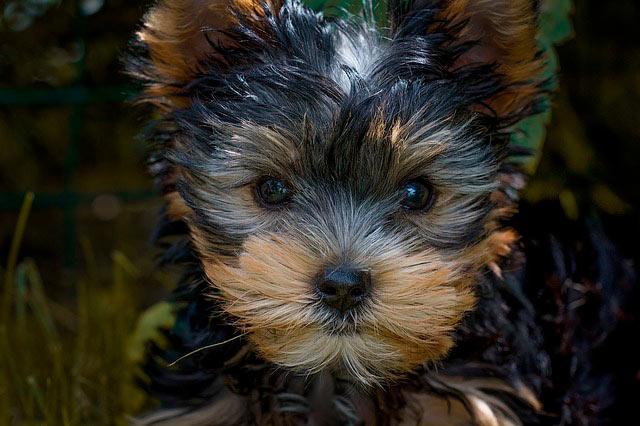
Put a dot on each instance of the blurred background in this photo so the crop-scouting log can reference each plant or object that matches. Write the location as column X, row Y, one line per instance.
column 77, row 264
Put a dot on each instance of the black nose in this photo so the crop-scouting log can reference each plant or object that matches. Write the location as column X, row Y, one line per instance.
column 344, row 287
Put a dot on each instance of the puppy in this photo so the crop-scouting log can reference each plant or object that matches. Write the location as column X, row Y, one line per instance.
column 341, row 200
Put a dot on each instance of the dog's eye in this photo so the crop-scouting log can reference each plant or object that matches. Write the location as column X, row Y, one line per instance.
column 417, row 195
column 272, row 191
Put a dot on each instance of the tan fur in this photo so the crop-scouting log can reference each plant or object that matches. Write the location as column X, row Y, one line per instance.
column 418, row 300
column 482, row 408
column 176, row 32
column 176, row 207
column 506, row 31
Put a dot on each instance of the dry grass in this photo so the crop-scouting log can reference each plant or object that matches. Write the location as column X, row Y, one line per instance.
column 71, row 365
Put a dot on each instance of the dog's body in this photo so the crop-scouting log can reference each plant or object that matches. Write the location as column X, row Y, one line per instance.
column 343, row 203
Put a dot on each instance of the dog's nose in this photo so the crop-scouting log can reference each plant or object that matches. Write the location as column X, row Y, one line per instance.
column 343, row 287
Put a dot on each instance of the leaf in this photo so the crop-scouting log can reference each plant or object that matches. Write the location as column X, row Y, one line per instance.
column 148, row 328
column 554, row 28
column 555, row 25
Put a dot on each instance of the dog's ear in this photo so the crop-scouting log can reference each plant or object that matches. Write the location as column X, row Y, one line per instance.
column 496, row 37
column 183, row 38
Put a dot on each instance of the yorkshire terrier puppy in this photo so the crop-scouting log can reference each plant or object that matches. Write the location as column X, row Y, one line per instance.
column 342, row 203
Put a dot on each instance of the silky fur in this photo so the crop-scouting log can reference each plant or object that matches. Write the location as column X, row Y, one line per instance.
column 557, row 302
column 345, row 116
column 416, row 303
column 422, row 278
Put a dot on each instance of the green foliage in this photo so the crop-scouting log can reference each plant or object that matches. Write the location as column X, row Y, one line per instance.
column 554, row 28
column 374, row 11
column 555, row 23
column 150, row 322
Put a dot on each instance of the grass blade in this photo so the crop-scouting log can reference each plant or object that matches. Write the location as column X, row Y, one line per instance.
column 12, row 260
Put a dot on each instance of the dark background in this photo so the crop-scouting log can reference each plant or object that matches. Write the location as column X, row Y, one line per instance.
column 68, row 134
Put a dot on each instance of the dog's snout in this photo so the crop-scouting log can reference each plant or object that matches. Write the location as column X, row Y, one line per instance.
column 343, row 287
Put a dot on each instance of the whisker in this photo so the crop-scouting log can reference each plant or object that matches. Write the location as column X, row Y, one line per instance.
column 203, row 348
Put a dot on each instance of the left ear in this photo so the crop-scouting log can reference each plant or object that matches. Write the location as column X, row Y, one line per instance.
column 180, row 41
column 184, row 39
column 496, row 36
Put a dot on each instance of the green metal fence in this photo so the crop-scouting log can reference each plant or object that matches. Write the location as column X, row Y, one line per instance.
column 78, row 97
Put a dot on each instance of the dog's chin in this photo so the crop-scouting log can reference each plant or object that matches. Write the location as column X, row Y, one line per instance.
column 352, row 353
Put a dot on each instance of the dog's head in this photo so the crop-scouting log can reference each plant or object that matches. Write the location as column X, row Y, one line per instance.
column 343, row 188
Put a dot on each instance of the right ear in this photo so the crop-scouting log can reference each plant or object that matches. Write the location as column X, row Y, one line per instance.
column 181, row 37
column 492, row 40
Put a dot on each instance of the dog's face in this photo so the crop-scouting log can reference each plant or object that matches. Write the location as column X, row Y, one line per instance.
column 343, row 190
